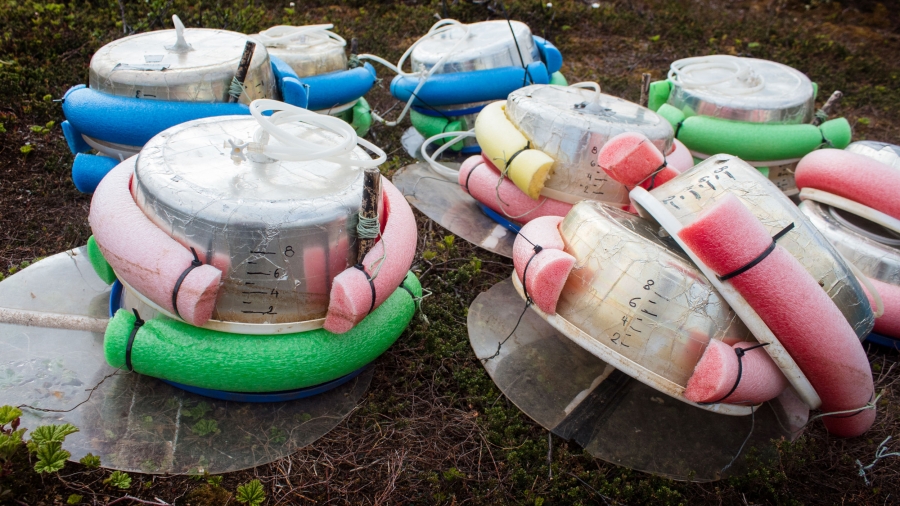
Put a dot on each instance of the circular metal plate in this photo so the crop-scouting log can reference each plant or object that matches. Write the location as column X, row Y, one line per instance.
column 572, row 124
column 871, row 248
column 488, row 45
column 577, row 396
column 446, row 203
column 132, row 422
column 140, row 66
column 279, row 231
column 888, row 154
column 782, row 94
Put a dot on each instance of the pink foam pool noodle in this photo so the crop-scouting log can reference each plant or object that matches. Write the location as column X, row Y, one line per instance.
column 889, row 323
column 351, row 292
column 852, row 176
column 680, row 157
column 549, row 269
column 717, row 372
column 726, row 237
column 478, row 177
column 144, row 256
column 631, row 159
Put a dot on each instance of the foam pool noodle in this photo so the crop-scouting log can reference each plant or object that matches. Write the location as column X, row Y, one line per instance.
column 727, row 237
column 144, row 256
column 887, row 324
column 631, row 159
column 100, row 265
column 429, row 126
column 501, row 142
column 754, row 141
column 717, row 372
column 548, row 271
column 351, row 292
column 175, row 351
column 478, row 177
column 853, row 176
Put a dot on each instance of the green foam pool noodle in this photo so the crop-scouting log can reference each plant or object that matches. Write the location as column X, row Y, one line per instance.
column 430, row 126
column 362, row 117
column 175, row 351
column 658, row 94
column 100, row 265
column 755, row 141
column 558, row 79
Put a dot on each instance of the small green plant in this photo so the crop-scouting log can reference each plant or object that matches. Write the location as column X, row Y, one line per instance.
column 74, row 499
column 27, row 148
column 214, row 481
column 118, row 479
column 90, row 461
column 205, row 428
column 51, row 457
column 251, row 494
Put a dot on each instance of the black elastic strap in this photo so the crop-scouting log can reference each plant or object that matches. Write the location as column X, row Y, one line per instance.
column 517, row 153
column 762, row 256
column 138, row 323
column 371, row 284
column 469, row 175
column 403, row 286
column 740, row 354
column 678, row 128
column 537, row 249
column 655, row 172
column 194, row 264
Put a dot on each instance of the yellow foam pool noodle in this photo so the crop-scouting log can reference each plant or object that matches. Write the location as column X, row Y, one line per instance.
column 501, row 142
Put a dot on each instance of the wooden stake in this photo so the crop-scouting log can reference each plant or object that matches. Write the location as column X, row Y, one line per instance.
column 369, row 208
column 243, row 67
column 52, row 320
column 645, row 89
column 829, row 105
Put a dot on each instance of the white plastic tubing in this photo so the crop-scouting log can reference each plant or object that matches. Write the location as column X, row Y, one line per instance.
column 294, row 148
column 438, row 28
column 282, row 35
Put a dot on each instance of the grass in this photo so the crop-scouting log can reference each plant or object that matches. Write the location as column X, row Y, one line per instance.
column 433, row 428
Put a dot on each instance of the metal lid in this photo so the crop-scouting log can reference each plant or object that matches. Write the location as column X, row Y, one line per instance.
column 888, row 154
column 154, row 66
column 741, row 89
column 279, row 230
column 488, row 45
column 873, row 249
column 309, row 50
column 572, row 124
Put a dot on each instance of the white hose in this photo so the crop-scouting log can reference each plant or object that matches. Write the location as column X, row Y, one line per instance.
column 438, row 28
column 439, row 168
column 282, row 35
column 680, row 72
column 294, row 148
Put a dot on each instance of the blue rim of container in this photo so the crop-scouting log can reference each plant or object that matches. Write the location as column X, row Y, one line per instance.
column 512, row 227
column 882, row 340
column 115, row 303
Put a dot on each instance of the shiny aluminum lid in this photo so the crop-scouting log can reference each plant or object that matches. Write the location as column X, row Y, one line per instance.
column 488, row 45
column 152, row 66
column 279, row 230
column 873, row 249
column 309, row 50
column 572, row 124
column 741, row 89
column 888, row 154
